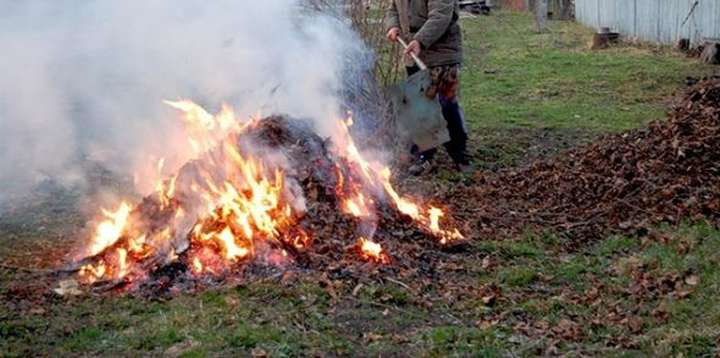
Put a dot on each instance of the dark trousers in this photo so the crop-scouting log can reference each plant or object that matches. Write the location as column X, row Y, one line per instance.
column 452, row 112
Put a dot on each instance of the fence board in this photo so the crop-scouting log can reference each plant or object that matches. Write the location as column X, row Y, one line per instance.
column 660, row 21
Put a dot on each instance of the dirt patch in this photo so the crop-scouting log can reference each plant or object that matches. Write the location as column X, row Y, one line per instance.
column 499, row 149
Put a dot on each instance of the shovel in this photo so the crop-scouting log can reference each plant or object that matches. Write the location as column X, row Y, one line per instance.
column 419, row 119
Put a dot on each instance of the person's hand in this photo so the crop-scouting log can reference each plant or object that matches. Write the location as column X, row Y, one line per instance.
column 413, row 48
column 393, row 34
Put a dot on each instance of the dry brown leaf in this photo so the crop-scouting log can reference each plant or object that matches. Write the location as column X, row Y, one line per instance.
column 489, row 300
column 68, row 288
column 373, row 337
column 258, row 353
column 177, row 350
column 635, row 324
column 487, row 263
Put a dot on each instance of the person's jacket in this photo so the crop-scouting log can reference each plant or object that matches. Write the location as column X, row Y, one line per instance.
column 434, row 23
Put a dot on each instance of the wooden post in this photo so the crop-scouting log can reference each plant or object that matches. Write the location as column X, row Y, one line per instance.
column 566, row 9
column 711, row 52
column 541, row 11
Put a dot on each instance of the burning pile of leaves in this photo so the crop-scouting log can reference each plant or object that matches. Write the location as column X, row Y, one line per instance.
column 667, row 172
column 262, row 197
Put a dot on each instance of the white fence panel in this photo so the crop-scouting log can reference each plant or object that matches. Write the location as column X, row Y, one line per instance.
column 664, row 21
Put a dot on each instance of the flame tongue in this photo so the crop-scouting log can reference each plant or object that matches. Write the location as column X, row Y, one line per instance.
column 373, row 251
column 110, row 230
column 232, row 202
column 377, row 178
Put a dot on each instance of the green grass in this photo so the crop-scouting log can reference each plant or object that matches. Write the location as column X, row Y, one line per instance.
column 517, row 84
column 541, row 287
column 518, row 276
column 549, row 92
column 263, row 316
column 462, row 341
column 515, row 77
column 550, row 287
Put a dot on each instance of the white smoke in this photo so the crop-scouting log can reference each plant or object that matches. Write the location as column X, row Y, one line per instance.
column 86, row 79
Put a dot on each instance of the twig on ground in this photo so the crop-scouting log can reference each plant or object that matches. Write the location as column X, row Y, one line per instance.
column 399, row 283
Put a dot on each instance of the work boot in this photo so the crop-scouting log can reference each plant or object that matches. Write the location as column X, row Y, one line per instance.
column 422, row 166
column 424, row 161
column 462, row 162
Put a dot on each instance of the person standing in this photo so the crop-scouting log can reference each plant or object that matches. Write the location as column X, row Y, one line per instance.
column 433, row 31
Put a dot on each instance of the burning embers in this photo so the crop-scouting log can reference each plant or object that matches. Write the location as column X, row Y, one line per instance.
column 372, row 251
column 235, row 202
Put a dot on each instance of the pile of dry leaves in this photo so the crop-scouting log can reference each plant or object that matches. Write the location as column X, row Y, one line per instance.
column 667, row 172
column 330, row 233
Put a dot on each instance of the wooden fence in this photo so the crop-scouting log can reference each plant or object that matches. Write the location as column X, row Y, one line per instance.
column 560, row 9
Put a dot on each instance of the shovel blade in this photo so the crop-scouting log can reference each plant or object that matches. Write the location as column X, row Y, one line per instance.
column 419, row 118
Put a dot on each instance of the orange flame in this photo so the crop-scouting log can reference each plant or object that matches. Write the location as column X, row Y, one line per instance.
column 243, row 204
column 232, row 250
column 238, row 202
column 110, row 230
column 379, row 176
column 373, row 251
column 92, row 273
column 358, row 206
column 122, row 263
column 197, row 266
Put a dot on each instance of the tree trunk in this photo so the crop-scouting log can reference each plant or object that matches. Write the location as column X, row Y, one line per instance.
column 567, row 9
column 711, row 53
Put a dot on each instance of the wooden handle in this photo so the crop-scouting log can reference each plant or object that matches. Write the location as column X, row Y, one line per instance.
column 419, row 62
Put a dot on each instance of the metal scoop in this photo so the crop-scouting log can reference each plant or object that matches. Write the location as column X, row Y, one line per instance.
column 419, row 118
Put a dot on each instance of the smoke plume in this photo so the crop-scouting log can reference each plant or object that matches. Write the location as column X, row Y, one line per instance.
column 85, row 80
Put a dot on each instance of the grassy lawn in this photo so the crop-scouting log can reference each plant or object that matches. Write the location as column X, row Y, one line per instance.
column 620, row 296
column 548, row 92
column 525, row 95
column 517, row 78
